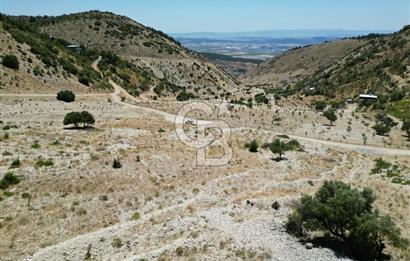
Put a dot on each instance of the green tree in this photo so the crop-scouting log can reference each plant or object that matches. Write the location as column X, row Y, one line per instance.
column 11, row 61
column 253, row 146
column 87, row 118
column 77, row 118
column 261, row 98
column 279, row 147
column 381, row 129
column 66, row 96
column 369, row 237
column 330, row 116
column 348, row 215
column 406, row 128
column 320, row 105
column 73, row 118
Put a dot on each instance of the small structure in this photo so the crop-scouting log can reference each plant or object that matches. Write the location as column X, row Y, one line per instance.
column 75, row 47
column 368, row 97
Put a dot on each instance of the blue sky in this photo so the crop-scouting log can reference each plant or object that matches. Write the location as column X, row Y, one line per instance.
column 176, row 16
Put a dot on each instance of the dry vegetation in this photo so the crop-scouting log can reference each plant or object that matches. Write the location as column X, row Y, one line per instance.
column 129, row 189
column 159, row 204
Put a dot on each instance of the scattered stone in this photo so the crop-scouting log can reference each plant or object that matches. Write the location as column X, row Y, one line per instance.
column 309, row 245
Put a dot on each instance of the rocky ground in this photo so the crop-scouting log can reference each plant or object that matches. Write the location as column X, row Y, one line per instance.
column 160, row 205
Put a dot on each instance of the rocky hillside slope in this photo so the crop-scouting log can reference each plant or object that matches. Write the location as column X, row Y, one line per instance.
column 299, row 62
column 376, row 64
column 380, row 66
column 140, row 59
column 143, row 46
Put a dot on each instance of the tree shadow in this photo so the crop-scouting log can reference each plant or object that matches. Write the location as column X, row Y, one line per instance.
column 339, row 248
column 87, row 128
column 279, row 159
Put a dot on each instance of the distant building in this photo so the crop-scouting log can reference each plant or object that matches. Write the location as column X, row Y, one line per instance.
column 368, row 97
column 75, row 47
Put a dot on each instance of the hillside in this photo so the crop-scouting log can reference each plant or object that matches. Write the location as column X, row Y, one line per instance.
column 47, row 64
column 299, row 62
column 236, row 67
column 380, row 66
column 143, row 46
column 137, row 57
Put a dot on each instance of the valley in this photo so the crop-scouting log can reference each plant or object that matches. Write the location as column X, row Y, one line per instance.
column 128, row 188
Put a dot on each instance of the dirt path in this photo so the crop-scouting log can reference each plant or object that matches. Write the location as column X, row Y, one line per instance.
column 364, row 149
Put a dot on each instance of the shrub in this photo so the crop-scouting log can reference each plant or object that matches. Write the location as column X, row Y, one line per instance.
column 252, row 146
column 261, row 98
column 276, row 205
column 117, row 243
column 9, row 179
column 11, row 61
column 136, row 216
column 320, row 105
column 406, row 128
column 84, row 80
column 348, row 215
column 44, row 163
column 179, row 251
column 185, row 96
column 35, row 145
column 15, row 164
column 381, row 129
column 66, row 96
column 116, row 164
column 6, row 153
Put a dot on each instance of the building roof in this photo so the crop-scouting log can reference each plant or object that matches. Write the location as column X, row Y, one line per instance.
column 368, row 96
column 73, row 46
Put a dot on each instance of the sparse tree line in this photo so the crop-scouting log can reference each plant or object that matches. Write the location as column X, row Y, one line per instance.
column 383, row 126
column 278, row 146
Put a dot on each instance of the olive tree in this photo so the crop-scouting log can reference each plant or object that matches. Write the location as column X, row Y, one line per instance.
column 406, row 128
column 347, row 214
column 77, row 118
column 279, row 147
column 330, row 115
column 66, row 96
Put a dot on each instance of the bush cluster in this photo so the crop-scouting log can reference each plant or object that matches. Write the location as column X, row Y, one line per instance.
column 8, row 180
column 11, row 61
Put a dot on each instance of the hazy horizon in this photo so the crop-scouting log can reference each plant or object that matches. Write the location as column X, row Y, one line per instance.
column 235, row 16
